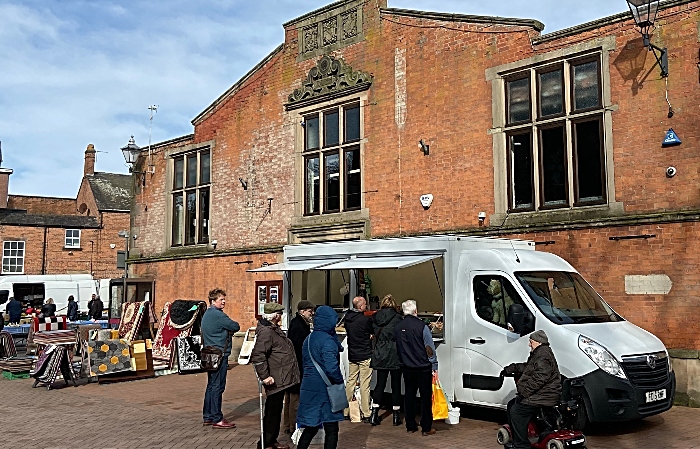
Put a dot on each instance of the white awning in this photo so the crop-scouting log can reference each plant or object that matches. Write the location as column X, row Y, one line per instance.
column 395, row 262
column 302, row 265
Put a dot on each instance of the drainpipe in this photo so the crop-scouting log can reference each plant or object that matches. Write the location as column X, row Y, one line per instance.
column 43, row 255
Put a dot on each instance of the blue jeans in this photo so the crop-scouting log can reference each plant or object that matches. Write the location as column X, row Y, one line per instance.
column 216, row 384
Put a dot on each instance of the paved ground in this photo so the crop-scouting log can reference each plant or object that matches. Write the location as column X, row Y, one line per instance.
column 166, row 413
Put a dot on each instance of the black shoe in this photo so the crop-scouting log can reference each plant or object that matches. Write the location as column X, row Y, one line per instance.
column 366, row 420
column 374, row 418
column 397, row 418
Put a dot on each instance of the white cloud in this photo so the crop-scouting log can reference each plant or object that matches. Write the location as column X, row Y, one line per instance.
column 76, row 72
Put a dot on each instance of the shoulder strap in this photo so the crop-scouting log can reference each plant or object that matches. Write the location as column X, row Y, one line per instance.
column 318, row 368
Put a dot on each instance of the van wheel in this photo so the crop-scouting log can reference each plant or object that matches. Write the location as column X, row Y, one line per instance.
column 555, row 444
column 503, row 437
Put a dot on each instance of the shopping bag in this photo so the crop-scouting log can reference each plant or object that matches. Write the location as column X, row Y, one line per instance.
column 440, row 408
column 319, row 438
column 355, row 411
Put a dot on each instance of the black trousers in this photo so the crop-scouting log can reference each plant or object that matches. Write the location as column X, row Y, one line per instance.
column 273, row 417
column 378, row 392
column 418, row 380
column 330, row 442
column 519, row 415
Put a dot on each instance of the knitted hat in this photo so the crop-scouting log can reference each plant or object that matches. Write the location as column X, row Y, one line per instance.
column 540, row 337
column 304, row 304
column 272, row 307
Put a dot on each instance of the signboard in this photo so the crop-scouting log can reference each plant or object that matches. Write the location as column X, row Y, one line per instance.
column 671, row 139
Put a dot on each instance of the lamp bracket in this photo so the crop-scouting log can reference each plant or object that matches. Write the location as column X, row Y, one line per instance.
column 661, row 54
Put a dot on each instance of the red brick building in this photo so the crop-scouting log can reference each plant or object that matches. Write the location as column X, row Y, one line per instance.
column 46, row 235
column 554, row 137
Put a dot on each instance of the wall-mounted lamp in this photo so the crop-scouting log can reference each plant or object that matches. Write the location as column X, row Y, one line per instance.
column 214, row 243
column 244, row 184
column 131, row 155
column 425, row 148
column 482, row 218
column 644, row 13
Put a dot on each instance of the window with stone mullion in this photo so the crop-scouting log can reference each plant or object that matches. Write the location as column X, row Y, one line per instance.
column 191, row 198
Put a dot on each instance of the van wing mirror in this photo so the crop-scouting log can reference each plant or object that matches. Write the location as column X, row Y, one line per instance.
column 516, row 318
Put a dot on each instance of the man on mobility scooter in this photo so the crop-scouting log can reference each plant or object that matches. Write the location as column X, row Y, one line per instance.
column 539, row 387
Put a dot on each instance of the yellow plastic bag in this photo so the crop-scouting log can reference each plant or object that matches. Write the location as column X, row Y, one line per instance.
column 440, row 408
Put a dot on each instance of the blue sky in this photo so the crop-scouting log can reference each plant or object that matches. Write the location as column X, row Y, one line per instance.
column 75, row 72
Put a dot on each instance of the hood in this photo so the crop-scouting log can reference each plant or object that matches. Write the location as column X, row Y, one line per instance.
column 325, row 320
column 352, row 315
column 384, row 316
column 621, row 338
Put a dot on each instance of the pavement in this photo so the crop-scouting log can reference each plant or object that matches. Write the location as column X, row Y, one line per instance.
column 165, row 412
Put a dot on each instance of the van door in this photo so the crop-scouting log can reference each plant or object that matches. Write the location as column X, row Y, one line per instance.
column 490, row 344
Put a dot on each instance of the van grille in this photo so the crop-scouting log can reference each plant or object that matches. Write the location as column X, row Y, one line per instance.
column 641, row 374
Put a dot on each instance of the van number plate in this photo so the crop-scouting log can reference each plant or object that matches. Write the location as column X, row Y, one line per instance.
column 653, row 396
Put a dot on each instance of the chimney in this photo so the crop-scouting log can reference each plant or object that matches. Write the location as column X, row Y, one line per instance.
column 4, row 186
column 89, row 160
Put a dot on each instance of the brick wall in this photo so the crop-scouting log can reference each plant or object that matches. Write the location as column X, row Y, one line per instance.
column 43, row 205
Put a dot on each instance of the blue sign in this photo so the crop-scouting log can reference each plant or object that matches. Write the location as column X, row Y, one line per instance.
column 671, row 139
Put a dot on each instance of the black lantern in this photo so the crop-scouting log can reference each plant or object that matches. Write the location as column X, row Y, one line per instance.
column 131, row 155
column 644, row 13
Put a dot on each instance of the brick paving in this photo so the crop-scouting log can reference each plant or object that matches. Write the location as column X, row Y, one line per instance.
column 166, row 413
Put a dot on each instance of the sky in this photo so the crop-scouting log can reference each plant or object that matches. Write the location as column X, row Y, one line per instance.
column 75, row 72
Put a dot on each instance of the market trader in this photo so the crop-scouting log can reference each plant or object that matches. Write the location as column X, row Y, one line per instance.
column 14, row 309
column 539, row 386
column 217, row 328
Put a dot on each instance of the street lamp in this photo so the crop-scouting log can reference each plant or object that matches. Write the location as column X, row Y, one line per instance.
column 131, row 155
column 644, row 13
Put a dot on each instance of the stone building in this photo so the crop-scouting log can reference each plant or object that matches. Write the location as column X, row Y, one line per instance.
column 47, row 235
column 363, row 109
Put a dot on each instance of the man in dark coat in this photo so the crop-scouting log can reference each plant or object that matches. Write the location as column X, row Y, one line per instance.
column 539, row 386
column 14, row 309
column 359, row 329
column 419, row 364
column 275, row 363
column 72, row 311
column 299, row 329
column 96, row 308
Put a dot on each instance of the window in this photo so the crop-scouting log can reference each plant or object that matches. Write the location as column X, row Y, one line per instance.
column 191, row 198
column 555, row 136
column 332, row 167
column 493, row 296
column 13, row 257
column 72, row 238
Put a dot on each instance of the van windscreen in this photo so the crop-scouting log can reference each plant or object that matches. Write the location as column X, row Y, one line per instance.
column 566, row 298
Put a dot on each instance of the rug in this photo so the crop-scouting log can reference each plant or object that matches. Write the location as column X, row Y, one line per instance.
column 7, row 345
column 189, row 354
column 17, row 364
column 109, row 356
column 48, row 364
column 164, row 335
column 179, row 319
column 132, row 314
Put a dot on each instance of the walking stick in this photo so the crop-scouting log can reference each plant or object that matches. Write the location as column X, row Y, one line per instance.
column 262, row 426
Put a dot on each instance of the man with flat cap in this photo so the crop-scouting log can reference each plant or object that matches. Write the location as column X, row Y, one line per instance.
column 299, row 329
column 276, row 364
column 539, row 385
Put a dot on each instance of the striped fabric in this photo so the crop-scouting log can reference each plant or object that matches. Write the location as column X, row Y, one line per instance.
column 50, row 323
column 7, row 345
column 64, row 337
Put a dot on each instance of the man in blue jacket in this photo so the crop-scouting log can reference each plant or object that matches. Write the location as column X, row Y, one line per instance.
column 14, row 309
column 419, row 363
column 217, row 328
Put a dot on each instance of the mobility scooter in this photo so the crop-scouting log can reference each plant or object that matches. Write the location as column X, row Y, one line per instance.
column 552, row 428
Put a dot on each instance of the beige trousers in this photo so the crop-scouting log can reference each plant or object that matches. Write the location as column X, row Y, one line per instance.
column 363, row 372
column 289, row 414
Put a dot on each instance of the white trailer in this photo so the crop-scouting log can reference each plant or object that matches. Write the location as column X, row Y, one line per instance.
column 471, row 285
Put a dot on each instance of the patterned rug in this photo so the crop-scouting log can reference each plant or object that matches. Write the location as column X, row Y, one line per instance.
column 186, row 321
column 109, row 356
column 189, row 354
column 132, row 314
column 7, row 345
column 48, row 364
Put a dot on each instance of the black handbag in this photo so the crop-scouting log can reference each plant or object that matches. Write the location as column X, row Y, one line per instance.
column 213, row 356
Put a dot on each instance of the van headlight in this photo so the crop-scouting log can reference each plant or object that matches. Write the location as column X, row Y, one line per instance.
column 670, row 362
column 600, row 357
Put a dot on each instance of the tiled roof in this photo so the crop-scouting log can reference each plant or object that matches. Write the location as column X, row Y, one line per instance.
column 13, row 217
column 112, row 191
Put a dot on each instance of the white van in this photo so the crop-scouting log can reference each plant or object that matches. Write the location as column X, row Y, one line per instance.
column 34, row 290
column 483, row 296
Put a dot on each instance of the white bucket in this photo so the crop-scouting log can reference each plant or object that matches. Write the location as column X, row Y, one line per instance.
column 453, row 416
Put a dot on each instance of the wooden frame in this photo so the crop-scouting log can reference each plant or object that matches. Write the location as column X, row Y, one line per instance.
column 540, row 147
column 601, row 140
column 509, row 160
column 512, row 79
column 549, row 69
column 572, row 88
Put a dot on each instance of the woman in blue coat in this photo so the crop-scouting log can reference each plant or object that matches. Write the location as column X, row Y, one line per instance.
column 314, row 404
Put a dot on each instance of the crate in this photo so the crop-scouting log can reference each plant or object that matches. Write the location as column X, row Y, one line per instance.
column 12, row 376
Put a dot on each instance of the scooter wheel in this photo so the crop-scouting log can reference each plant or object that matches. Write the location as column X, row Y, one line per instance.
column 503, row 437
column 555, row 444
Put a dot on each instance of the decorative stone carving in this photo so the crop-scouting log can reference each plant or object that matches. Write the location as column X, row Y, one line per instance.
column 331, row 76
column 310, row 38
column 330, row 31
column 349, row 24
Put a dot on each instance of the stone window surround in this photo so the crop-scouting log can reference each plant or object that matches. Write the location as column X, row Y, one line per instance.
column 496, row 76
column 322, row 219
column 170, row 156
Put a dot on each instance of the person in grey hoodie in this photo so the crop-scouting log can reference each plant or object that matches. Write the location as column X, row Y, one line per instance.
column 217, row 328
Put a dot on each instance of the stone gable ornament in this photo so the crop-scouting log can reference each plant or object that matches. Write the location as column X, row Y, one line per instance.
column 330, row 78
